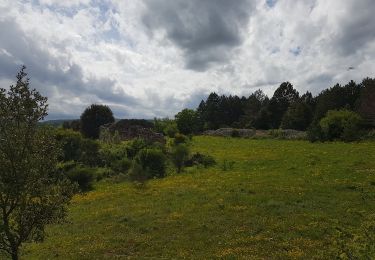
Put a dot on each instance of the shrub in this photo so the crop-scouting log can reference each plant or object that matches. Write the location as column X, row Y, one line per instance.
column 235, row 133
column 138, row 173
column 227, row 165
column 180, row 139
column 90, row 153
column 70, row 143
column 152, row 161
column 122, row 165
column 110, row 138
column 202, row 159
column 340, row 125
column 83, row 176
column 134, row 147
column 180, row 154
column 101, row 173
column 93, row 117
column 370, row 135
column 314, row 133
column 171, row 130
column 110, row 153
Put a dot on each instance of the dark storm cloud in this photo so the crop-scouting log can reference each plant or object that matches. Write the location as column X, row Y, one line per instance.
column 357, row 27
column 206, row 30
column 46, row 71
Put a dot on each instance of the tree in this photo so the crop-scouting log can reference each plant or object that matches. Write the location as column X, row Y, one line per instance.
column 367, row 101
column 298, row 116
column 341, row 125
column 252, row 108
column 337, row 97
column 31, row 193
column 283, row 97
column 187, row 121
column 93, row 118
column 180, row 154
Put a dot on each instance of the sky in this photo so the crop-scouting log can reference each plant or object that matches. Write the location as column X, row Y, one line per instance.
column 152, row 58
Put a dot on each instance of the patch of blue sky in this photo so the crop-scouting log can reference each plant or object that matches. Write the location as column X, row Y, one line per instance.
column 271, row 3
column 296, row 51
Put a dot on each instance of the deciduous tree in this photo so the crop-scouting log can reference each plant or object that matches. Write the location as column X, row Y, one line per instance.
column 32, row 195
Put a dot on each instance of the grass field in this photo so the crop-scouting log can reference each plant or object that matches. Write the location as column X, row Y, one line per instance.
column 278, row 200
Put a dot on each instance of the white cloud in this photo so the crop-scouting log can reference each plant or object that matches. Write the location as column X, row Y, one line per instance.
column 82, row 51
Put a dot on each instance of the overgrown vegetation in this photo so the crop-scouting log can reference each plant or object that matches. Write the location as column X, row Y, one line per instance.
column 32, row 194
column 299, row 199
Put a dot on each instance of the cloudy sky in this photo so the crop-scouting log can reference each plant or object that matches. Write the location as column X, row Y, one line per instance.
column 147, row 58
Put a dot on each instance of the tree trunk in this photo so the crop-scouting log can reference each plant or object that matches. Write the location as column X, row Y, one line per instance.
column 14, row 254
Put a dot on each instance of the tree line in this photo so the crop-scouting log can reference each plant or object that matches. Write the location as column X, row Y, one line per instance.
column 286, row 109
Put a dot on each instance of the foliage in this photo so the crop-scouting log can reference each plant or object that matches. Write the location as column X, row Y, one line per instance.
column 180, row 139
column 266, row 201
column 286, row 109
column 367, row 101
column 74, row 125
column 122, row 165
column 83, row 176
column 152, row 161
column 227, row 165
column 315, row 133
column 171, row 130
column 298, row 116
column 135, row 146
column 32, row 195
column 70, row 141
column 165, row 126
column 110, row 153
column 337, row 97
column 180, row 154
column 186, row 121
column 90, row 153
column 340, row 125
column 200, row 159
column 110, row 138
column 93, row 117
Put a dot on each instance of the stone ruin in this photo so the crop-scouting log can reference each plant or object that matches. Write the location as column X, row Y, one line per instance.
column 227, row 132
column 131, row 129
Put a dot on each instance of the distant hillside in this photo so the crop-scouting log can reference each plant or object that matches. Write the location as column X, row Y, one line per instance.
column 55, row 123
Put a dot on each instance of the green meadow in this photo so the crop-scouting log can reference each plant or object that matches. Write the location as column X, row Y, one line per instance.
column 264, row 199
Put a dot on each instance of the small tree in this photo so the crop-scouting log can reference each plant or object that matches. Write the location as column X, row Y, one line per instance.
column 341, row 125
column 180, row 154
column 93, row 117
column 187, row 121
column 152, row 161
column 31, row 193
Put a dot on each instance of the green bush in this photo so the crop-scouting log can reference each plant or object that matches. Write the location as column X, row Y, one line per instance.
column 90, row 153
column 202, row 159
column 370, row 135
column 171, row 130
column 180, row 139
column 341, row 125
column 180, row 154
column 121, row 166
column 110, row 153
column 152, row 161
column 138, row 173
column 227, row 165
column 134, row 147
column 102, row 173
column 314, row 133
column 83, row 176
column 108, row 137
column 70, row 142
